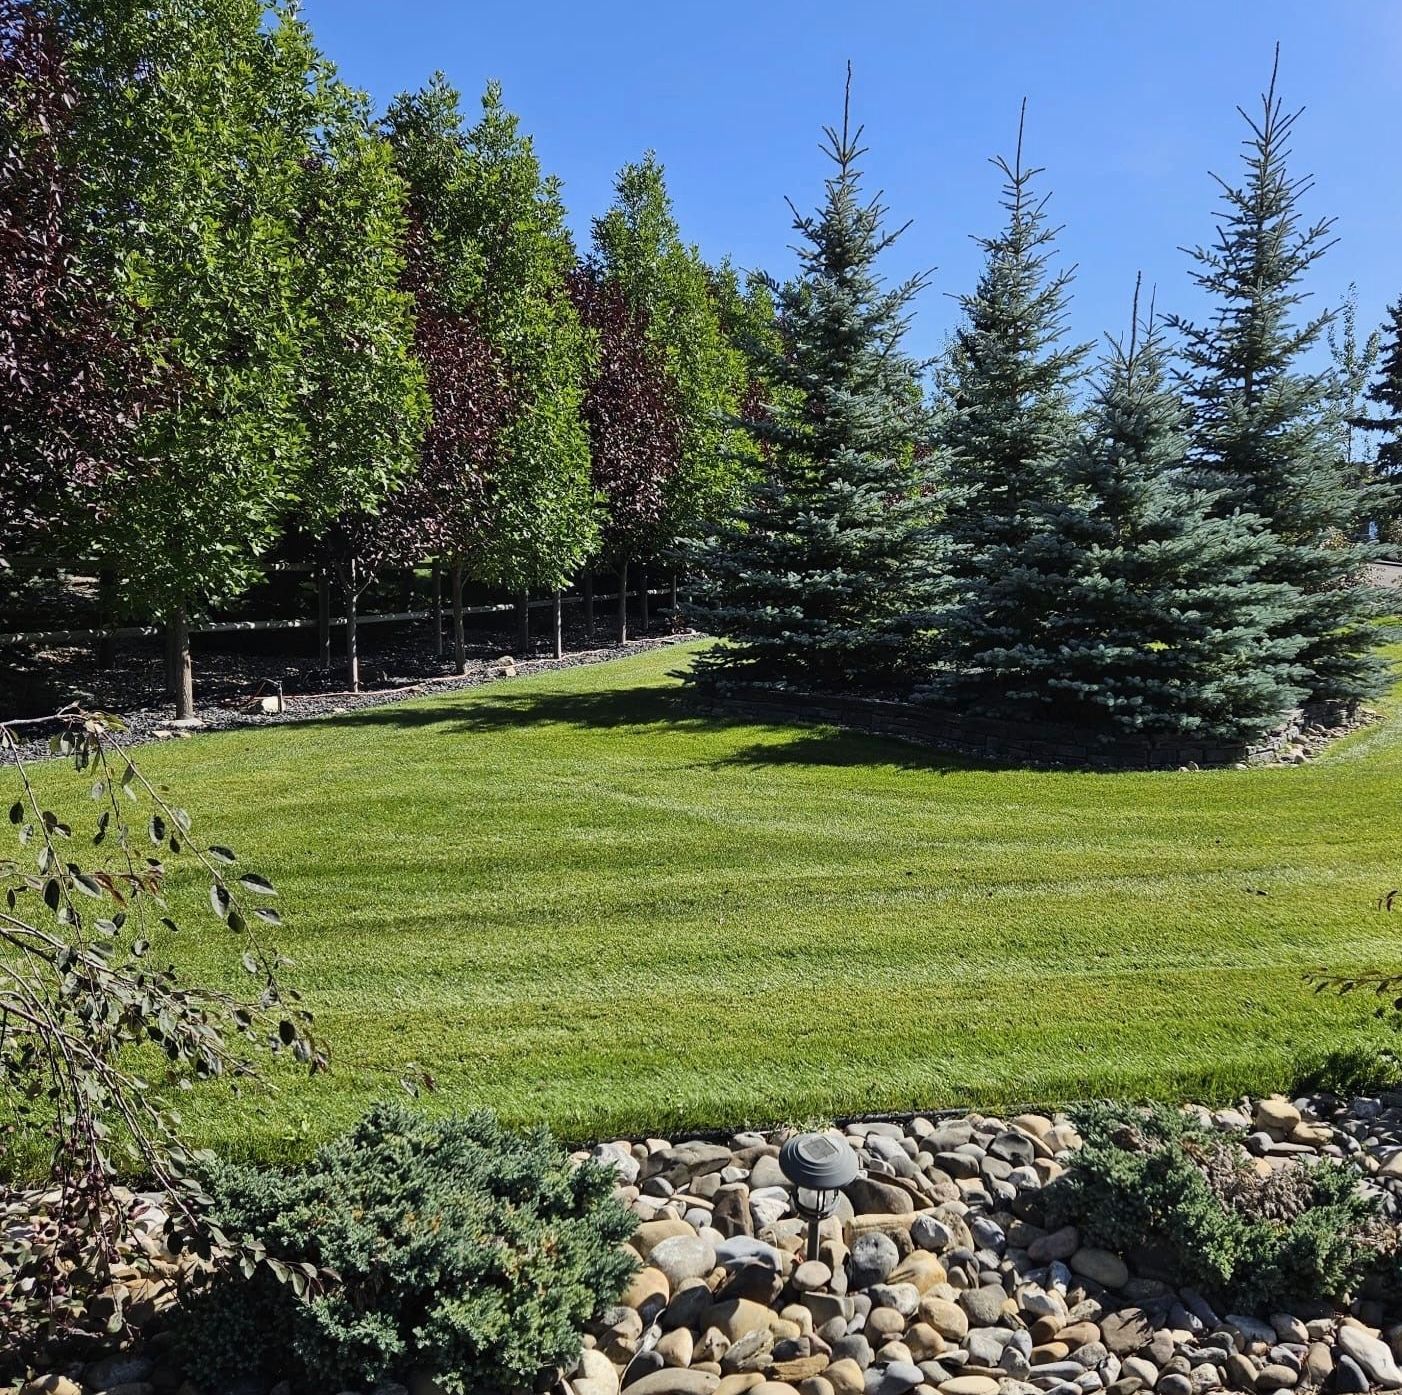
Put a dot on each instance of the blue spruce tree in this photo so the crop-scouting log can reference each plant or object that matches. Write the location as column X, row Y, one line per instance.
column 1262, row 427
column 825, row 575
column 1161, row 623
column 1007, row 432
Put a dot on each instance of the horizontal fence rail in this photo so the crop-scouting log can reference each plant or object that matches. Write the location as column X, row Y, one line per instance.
column 43, row 637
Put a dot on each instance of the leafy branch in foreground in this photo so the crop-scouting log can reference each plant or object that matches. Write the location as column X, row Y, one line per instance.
column 1383, row 983
column 94, row 1033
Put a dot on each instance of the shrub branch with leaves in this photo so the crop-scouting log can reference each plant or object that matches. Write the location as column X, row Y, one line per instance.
column 85, row 1015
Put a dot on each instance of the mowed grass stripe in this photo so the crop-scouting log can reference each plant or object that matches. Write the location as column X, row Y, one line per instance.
column 573, row 900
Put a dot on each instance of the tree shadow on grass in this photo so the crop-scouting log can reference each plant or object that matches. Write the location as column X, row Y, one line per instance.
column 650, row 708
column 515, row 708
column 838, row 746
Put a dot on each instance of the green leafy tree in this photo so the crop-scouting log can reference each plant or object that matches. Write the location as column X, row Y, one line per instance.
column 1264, row 431
column 1006, row 434
column 638, row 247
column 821, row 579
column 543, row 515
column 498, row 261
column 192, row 123
column 362, row 397
column 1160, row 623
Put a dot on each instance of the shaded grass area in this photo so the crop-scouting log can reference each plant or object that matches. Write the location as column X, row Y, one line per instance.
column 575, row 901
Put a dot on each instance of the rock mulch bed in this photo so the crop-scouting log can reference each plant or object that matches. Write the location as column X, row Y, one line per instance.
column 932, row 1279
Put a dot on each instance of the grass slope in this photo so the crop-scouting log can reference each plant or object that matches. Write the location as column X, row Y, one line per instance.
column 574, row 902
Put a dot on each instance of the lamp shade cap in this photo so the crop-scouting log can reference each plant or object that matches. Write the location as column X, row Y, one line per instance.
column 818, row 1162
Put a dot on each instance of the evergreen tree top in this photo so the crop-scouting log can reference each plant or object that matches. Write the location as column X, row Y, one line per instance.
column 841, row 329
column 1253, row 269
column 1015, row 318
column 1136, row 433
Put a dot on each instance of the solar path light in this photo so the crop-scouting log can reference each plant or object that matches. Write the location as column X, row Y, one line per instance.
column 819, row 1167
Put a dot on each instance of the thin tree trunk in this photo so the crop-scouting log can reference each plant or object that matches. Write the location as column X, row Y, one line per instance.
column 642, row 599
column 437, row 611
column 459, row 640
column 674, row 598
column 589, row 606
column 623, row 602
column 523, row 623
column 352, row 637
column 323, row 618
column 183, row 664
column 558, row 628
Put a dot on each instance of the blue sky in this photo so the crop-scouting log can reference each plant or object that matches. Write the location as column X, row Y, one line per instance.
column 1130, row 105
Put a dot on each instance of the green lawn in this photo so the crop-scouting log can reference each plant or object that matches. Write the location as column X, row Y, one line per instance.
column 574, row 902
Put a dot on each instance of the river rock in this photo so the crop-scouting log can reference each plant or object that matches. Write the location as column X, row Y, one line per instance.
column 682, row 1257
column 1106, row 1269
column 1372, row 1356
column 872, row 1258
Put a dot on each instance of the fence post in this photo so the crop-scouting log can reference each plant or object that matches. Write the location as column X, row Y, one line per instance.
column 323, row 617
column 559, row 628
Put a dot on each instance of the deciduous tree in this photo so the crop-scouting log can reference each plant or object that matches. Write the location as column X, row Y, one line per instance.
column 362, row 398
column 74, row 385
column 639, row 247
column 191, row 128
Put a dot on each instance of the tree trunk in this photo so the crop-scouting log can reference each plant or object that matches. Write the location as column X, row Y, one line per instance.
column 352, row 637
column 459, row 640
column 437, row 611
column 558, row 627
column 323, row 618
column 183, row 664
column 674, row 599
column 642, row 599
column 589, row 607
column 523, row 624
column 623, row 602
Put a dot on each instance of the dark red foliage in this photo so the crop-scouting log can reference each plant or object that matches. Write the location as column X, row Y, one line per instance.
column 71, row 388
column 634, row 419
column 444, row 510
